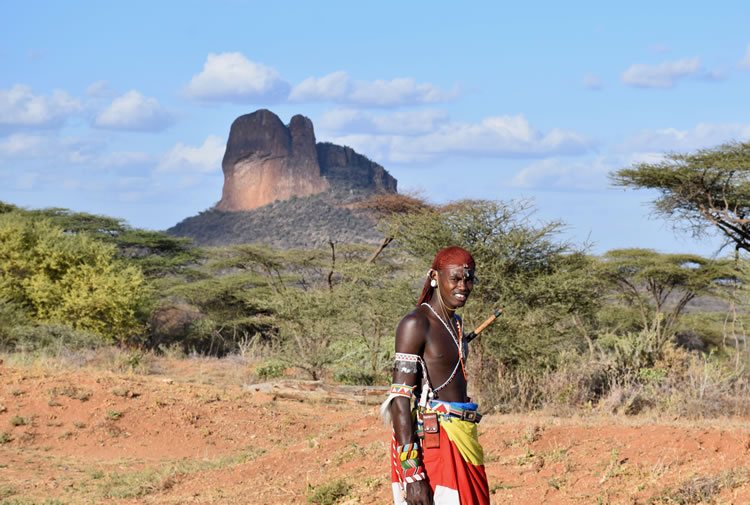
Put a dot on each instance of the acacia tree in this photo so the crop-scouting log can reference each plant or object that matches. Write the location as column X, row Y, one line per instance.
column 541, row 282
column 155, row 253
column 710, row 187
column 659, row 286
column 374, row 298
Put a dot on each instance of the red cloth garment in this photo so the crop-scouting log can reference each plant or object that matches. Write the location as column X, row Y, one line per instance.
column 454, row 478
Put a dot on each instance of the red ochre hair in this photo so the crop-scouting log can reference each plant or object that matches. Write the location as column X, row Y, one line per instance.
column 452, row 255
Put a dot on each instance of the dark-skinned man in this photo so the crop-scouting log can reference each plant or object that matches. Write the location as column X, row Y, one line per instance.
column 435, row 454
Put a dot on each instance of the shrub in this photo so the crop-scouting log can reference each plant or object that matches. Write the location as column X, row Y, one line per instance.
column 19, row 421
column 68, row 278
column 329, row 494
column 171, row 322
column 270, row 370
column 356, row 377
column 216, row 314
column 12, row 315
column 51, row 337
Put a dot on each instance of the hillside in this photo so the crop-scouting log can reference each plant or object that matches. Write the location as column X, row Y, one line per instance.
column 300, row 222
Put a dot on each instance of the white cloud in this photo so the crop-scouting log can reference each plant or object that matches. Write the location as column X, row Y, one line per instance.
column 401, row 123
column 20, row 145
column 716, row 74
column 672, row 139
column 205, row 158
column 499, row 136
column 98, row 89
column 662, row 75
column 53, row 148
column 332, row 87
column 587, row 173
column 504, row 136
column 55, row 151
column 231, row 77
column 400, row 91
column 20, row 107
column 338, row 87
column 557, row 173
column 135, row 112
column 745, row 61
column 592, row 81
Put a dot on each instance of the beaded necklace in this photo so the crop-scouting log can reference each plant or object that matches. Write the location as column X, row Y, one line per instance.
column 459, row 345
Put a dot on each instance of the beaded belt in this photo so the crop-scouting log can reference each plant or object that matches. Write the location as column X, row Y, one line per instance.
column 453, row 412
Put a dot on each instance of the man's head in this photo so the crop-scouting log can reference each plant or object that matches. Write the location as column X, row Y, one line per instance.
column 451, row 276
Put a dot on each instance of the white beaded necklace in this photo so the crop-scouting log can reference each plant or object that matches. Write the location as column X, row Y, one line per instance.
column 447, row 327
column 458, row 346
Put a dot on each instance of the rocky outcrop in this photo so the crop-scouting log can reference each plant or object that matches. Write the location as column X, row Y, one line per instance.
column 266, row 161
column 345, row 168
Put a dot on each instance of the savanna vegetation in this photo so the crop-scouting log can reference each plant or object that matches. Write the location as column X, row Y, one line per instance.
column 628, row 331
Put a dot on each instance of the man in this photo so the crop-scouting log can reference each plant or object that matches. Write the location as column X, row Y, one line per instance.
column 435, row 454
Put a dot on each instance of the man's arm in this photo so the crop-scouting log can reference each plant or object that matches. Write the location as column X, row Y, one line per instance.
column 410, row 339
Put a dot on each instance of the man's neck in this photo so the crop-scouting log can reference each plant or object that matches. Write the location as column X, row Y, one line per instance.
column 440, row 308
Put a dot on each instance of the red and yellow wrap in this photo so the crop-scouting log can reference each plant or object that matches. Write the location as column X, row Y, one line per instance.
column 455, row 470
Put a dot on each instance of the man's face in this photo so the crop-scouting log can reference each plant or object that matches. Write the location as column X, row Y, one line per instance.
column 455, row 283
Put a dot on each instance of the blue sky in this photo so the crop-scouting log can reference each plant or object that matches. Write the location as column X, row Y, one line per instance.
column 123, row 108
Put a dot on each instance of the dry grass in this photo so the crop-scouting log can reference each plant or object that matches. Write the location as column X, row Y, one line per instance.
column 702, row 489
column 140, row 483
column 688, row 385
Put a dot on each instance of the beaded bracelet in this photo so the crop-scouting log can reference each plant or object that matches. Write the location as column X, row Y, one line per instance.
column 408, row 451
column 411, row 464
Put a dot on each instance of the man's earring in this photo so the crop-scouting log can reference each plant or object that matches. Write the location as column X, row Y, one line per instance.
column 433, row 283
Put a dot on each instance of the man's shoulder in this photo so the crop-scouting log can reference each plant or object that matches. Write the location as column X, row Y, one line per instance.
column 411, row 333
column 415, row 320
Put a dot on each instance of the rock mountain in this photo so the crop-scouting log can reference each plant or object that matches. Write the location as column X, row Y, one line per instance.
column 267, row 161
column 283, row 189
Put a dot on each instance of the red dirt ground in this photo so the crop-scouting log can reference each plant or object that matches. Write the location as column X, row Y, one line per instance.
column 193, row 434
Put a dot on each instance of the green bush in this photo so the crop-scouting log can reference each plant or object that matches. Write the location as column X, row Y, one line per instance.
column 68, row 279
column 271, row 369
column 35, row 338
column 356, row 377
column 330, row 493
column 12, row 315
column 215, row 314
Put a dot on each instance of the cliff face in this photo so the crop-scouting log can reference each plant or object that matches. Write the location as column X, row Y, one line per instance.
column 344, row 167
column 267, row 161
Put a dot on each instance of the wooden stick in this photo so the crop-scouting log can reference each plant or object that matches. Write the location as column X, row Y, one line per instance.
column 479, row 329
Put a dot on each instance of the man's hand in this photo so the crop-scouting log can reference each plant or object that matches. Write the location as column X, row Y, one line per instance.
column 418, row 493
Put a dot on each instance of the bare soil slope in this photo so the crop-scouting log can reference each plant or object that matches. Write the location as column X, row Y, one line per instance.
column 193, row 434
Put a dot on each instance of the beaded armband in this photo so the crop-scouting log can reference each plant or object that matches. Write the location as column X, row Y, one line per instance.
column 406, row 363
column 402, row 390
column 411, row 464
column 397, row 390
